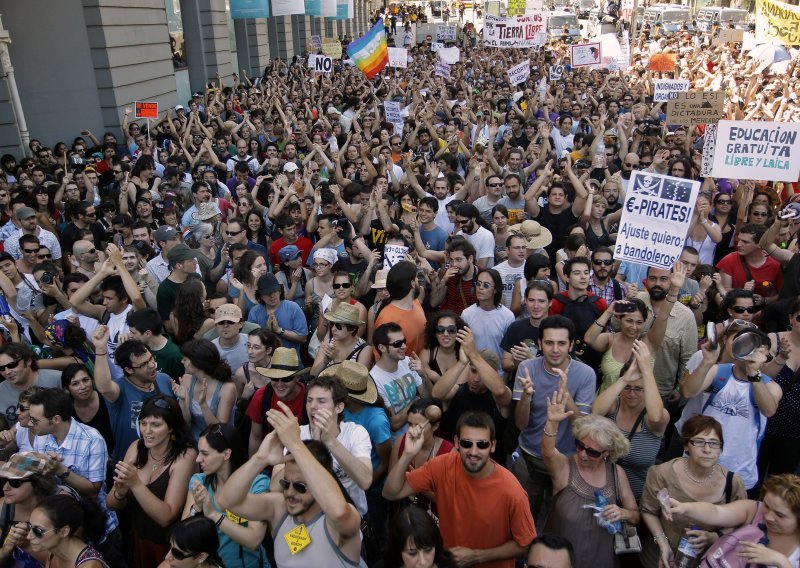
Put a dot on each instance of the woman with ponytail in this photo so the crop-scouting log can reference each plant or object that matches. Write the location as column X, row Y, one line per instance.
column 206, row 390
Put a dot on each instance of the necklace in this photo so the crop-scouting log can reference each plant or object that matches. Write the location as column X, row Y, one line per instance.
column 700, row 481
column 159, row 462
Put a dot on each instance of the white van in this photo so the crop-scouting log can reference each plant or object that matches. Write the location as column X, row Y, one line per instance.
column 709, row 18
column 556, row 21
column 668, row 18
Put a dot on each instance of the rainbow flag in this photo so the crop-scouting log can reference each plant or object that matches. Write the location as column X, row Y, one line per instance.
column 370, row 51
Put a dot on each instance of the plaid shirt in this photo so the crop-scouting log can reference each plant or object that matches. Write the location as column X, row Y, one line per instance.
column 606, row 292
column 83, row 451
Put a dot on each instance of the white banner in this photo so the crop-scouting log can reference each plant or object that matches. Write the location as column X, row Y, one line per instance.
column 655, row 218
column 441, row 69
column 446, row 32
column 556, row 71
column 757, row 150
column 668, row 89
column 449, row 55
column 436, row 46
column 586, row 54
column 517, row 32
column 394, row 115
column 398, row 57
column 519, row 73
column 709, row 142
column 287, row 8
column 320, row 63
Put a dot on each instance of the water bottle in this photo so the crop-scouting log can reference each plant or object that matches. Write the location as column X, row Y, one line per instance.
column 687, row 556
column 24, row 297
column 599, row 161
column 601, row 503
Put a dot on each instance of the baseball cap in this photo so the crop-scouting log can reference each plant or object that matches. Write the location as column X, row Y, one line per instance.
column 228, row 312
column 165, row 233
column 289, row 252
column 25, row 213
column 179, row 107
column 290, row 167
column 268, row 284
column 180, row 253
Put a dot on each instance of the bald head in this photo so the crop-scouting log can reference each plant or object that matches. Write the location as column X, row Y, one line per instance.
column 81, row 247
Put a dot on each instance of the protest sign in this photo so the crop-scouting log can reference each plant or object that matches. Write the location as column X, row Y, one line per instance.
column 316, row 42
column 332, row 47
column 668, row 89
column 446, row 32
column 449, row 55
column 663, row 62
column 398, row 57
column 392, row 254
column 696, row 107
column 516, row 7
column 709, row 142
column 393, row 115
column 586, row 54
column 777, row 22
column 757, row 150
column 144, row 109
column 320, row 63
column 556, row 71
column 441, row 69
column 287, row 7
column 517, row 32
column 731, row 36
column 519, row 73
column 655, row 218
column 436, row 46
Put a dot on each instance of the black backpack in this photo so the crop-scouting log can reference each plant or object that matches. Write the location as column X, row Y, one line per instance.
column 582, row 312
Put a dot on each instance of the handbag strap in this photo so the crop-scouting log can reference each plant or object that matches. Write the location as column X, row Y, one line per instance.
column 636, row 424
column 746, row 268
column 616, row 485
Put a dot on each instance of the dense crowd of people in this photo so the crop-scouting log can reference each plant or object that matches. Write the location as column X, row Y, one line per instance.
column 274, row 329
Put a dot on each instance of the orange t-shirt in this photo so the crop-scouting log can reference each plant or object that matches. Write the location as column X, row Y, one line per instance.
column 412, row 321
column 504, row 512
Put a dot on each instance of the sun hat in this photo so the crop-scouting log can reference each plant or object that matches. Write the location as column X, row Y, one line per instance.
column 344, row 313
column 285, row 363
column 355, row 378
column 534, row 234
column 23, row 465
column 206, row 211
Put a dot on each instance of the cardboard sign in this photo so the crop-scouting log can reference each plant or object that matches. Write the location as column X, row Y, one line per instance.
column 731, row 36
column 441, row 69
column 696, row 107
column 655, row 217
column 436, row 46
column 757, row 150
column 316, row 42
column 394, row 115
column 398, row 57
column 144, row 109
column 556, row 71
column 586, row 54
column 519, row 73
column 320, row 63
column 446, row 32
column 449, row 55
column 332, row 47
column 519, row 32
column 662, row 62
column 709, row 142
column 668, row 89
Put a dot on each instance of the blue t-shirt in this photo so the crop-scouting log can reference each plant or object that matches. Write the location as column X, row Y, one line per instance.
column 376, row 423
column 290, row 317
column 634, row 273
column 231, row 552
column 435, row 239
column 124, row 412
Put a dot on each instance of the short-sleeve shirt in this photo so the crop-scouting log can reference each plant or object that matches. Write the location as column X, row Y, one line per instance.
column 411, row 321
column 9, row 394
column 296, row 405
column 483, row 241
column 505, row 513
column 397, row 389
column 375, row 421
column 768, row 277
column 290, row 317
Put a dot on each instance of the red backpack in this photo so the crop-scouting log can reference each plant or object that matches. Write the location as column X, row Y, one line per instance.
column 725, row 552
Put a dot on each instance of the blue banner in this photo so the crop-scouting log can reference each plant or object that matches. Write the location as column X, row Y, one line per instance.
column 342, row 11
column 244, row 9
column 313, row 7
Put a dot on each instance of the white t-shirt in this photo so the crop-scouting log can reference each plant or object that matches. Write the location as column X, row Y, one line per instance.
column 483, row 241
column 488, row 326
column 117, row 323
column 397, row 389
column 510, row 275
column 355, row 440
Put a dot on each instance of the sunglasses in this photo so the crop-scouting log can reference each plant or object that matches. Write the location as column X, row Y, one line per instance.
column 345, row 286
column 646, row 164
column 627, row 165
column 45, row 256
column 603, row 262
column 495, row 184
column 723, row 202
column 283, row 379
column 14, row 483
column 591, row 452
column 743, row 310
column 30, row 251
column 467, row 444
column 299, row 486
column 759, row 214
column 448, row 329
column 341, row 326
column 397, row 344
column 39, row 532
column 636, row 390
column 233, row 233
column 178, row 554
column 9, row 365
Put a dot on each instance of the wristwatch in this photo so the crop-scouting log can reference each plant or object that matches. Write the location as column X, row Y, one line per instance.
column 63, row 476
column 754, row 378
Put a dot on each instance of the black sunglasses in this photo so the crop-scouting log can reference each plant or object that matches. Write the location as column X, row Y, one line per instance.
column 45, row 256
column 299, row 486
column 179, row 554
column 14, row 483
column 603, row 262
column 467, row 444
column 283, row 379
column 449, row 329
column 341, row 326
column 9, row 365
column 232, row 233
column 396, row 344
column 346, row 286
column 591, row 452
column 743, row 309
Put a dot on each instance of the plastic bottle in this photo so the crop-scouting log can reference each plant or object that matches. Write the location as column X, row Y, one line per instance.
column 4, row 308
column 599, row 160
column 24, row 297
column 601, row 503
column 687, row 555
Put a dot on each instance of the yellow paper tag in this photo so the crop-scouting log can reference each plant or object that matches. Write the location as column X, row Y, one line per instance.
column 235, row 518
column 297, row 539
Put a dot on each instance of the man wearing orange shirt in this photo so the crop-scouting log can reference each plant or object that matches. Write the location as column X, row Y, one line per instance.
column 404, row 308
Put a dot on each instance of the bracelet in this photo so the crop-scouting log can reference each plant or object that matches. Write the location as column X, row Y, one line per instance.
column 106, row 353
column 219, row 521
column 659, row 536
column 598, row 324
column 548, row 434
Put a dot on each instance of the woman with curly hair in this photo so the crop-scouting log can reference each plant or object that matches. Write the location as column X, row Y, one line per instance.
column 189, row 318
column 251, row 266
column 441, row 348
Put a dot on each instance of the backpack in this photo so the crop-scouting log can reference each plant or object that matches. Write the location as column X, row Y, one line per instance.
column 724, row 372
column 725, row 552
column 582, row 313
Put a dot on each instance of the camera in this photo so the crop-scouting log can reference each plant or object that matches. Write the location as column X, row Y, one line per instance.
column 78, row 164
column 625, row 307
column 47, row 278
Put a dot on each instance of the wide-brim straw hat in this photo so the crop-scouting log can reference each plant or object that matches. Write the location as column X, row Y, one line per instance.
column 355, row 378
column 535, row 235
column 344, row 313
column 285, row 363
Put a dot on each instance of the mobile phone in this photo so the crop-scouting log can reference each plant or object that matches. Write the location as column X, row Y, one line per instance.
column 711, row 334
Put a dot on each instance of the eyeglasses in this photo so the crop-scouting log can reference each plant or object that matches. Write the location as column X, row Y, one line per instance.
column 14, row 483
column 226, row 322
column 591, row 452
column 92, row 214
column 484, row 285
column 467, row 444
column 9, row 366
column 345, row 286
column 299, row 486
column 627, row 165
column 463, row 221
column 23, row 408
column 39, row 532
column 608, row 262
column 347, row 326
column 288, row 379
column 35, row 421
column 30, row 251
column 179, row 554
column 233, row 233
column 700, row 443
column 448, row 329
column 636, row 390
column 743, row 309
column 45, row 256
column 150, row 361
column 396, row 344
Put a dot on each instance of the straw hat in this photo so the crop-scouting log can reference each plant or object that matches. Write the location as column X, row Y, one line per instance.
column 344, row 313
column 380, row 279
column 535, row 235
column 285, row 363
column 355, row 378
column 206, row 211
